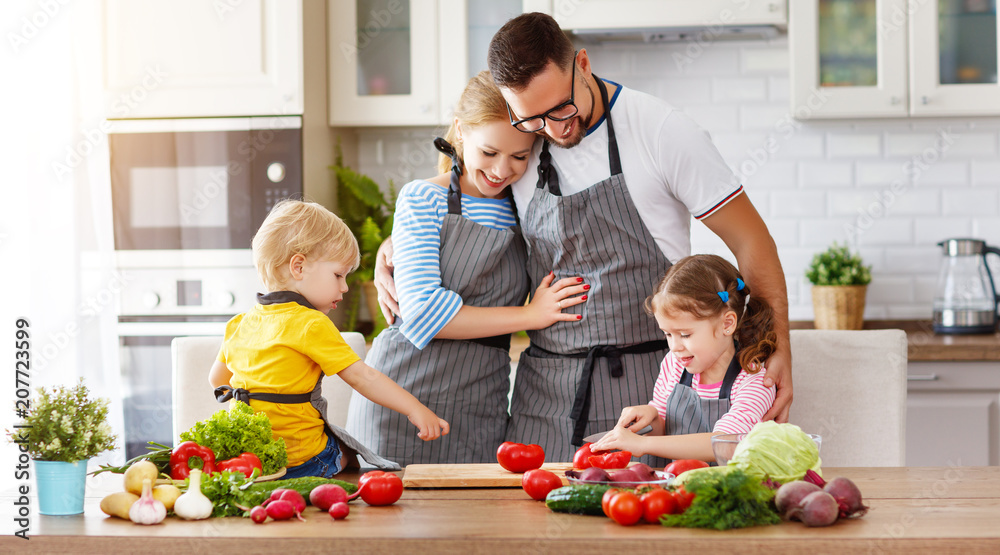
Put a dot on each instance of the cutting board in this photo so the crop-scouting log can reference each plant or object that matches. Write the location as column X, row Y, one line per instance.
column 484, row 475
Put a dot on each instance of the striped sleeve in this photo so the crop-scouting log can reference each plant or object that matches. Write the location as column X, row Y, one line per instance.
column 670, row 374
column 750, row 401
column 425, row 305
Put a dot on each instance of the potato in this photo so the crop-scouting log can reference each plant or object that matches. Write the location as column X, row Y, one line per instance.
column 137, row 473
column 118, row 504
column 166, row 494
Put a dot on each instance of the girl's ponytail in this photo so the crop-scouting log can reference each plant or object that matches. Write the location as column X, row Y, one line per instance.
column 756, row 336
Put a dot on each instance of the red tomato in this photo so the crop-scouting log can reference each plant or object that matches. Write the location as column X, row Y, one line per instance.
column 683, row 498
column 581, row 459
column 625, row 508
column 612, row 460
column 384, row 488
column 517, row 457
column 606, row 499
column 678, row 467
column 538, row 483
column 656, row 503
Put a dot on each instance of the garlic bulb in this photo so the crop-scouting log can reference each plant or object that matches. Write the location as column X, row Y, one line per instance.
column 147, row 510
column 193, row 505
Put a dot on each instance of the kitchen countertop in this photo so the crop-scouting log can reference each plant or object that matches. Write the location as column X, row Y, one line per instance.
column 924, row 344
column 916, row 510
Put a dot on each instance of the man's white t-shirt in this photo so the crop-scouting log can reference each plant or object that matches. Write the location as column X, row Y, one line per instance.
column 671, row 168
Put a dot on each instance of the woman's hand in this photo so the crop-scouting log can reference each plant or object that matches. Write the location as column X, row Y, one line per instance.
column 384, row 283
column 637, row 417
column 547, row 304
column 431, row 427
column 623, row 439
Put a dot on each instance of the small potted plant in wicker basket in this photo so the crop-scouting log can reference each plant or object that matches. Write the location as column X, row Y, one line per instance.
column 840, row 281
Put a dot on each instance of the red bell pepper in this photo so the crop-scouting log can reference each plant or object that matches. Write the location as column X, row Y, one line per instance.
column 611, row 460
column 181, row 456
column 244, row 463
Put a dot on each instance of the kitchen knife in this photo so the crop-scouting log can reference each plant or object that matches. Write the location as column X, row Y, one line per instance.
column 596, row 437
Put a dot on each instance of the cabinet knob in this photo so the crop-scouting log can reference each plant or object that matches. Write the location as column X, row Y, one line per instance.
column 895, row 100
column 425, row 108
column 150, row 299
column 925, row 100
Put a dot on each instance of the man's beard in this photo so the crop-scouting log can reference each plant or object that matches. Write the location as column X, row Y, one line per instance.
column 581, row 128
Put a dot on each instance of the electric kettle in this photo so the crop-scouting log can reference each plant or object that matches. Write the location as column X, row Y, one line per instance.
column 966, row 299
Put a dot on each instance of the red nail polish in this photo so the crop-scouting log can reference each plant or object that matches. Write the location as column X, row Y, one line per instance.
column 586, row 288
column 579, row 316
column 583, row 298
column 579, row 280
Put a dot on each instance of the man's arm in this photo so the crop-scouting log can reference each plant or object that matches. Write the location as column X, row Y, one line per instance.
column 740, row 226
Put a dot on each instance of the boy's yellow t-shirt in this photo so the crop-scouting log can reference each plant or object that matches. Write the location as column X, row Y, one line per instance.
column 284, row 348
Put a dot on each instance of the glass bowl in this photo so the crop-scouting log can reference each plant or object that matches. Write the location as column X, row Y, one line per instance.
column 724, row 445
column 664, row 479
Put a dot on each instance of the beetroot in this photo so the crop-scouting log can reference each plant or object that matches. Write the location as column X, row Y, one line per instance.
column 339, row 510
column 848, row 497
column 791, row 494
column 326, row 495
column 819, row 508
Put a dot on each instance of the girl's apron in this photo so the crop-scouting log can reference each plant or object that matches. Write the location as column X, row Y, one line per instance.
column 687, row 413
column 350, row 448
column 463, row 382
column 576, row 377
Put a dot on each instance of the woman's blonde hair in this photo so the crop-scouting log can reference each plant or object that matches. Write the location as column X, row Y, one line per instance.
column 480, row 103
column 296, row 227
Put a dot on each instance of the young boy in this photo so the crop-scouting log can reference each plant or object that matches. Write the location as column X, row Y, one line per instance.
column 274, row 356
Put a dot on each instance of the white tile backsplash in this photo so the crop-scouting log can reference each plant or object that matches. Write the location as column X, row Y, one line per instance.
column 891, row 188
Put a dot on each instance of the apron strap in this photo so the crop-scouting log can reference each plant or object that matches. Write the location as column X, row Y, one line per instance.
column 224, row 393
column 613, row 158
column 454, row 188
column 581, row 403
column 727, row 383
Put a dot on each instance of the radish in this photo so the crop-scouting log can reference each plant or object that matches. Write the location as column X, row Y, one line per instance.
column 258, row 514
column 819, row 508
column 790, row 495
column 326, row 495
column 290, row 495
column 279, row 509
column 847, row 495
column 339, row 510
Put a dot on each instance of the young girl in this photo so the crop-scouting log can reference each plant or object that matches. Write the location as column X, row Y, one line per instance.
column 460, row 274
column 711, row 381
column 274, row 357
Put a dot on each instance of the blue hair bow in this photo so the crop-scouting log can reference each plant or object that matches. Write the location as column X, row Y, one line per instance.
column 739, row 284
column 724, row 295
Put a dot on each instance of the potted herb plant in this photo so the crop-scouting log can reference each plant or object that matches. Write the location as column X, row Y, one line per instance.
column 840, row 280
column 368, row 212
column 64, row 427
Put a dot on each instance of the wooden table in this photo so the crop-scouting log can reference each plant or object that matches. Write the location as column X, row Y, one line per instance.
column 930, row 510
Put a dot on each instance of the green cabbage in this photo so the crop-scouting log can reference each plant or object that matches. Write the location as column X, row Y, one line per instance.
column 780, row 452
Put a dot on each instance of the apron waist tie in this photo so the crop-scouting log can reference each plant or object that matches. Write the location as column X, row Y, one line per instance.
column 581, row 403
column 224, row 393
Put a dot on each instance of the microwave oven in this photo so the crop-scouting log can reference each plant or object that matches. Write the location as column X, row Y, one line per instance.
column 183, row 184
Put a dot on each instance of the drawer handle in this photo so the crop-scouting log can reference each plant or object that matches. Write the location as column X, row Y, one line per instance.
column 922, row 378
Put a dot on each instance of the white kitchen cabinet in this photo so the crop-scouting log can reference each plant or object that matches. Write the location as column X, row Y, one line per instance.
column 893, row 58
column 192, row 58
column 953, row 414
column 607, row 15
column 405, row 62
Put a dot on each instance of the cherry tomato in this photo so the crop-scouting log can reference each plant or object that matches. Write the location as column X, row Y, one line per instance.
column 581, row 459
column 612, row 460
column 656, row 503
column 681, row 466
column 384, row 488
column 538, row 483
column 517, row 457
column 606, row 499
column 625, row 508
column 683, row 498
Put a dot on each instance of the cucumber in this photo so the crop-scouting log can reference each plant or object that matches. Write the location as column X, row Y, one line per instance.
column 258, row 492
column 578, row 499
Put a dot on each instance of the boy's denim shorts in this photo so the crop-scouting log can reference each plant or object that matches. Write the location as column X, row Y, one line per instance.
column 325, row 465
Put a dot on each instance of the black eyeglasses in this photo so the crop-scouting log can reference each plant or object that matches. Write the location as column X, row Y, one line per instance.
column 561, row 112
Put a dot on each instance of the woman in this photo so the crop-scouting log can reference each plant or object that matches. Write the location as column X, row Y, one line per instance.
column 460, row 277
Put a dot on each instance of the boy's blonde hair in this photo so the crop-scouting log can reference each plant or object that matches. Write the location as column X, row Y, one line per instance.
column 296, row 227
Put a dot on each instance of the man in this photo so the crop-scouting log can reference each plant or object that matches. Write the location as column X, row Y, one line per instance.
column 612, row 204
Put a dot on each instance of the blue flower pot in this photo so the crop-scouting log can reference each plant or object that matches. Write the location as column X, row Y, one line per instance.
column 61, row 486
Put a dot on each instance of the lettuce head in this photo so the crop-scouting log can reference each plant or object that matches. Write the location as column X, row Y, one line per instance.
column 781, row 452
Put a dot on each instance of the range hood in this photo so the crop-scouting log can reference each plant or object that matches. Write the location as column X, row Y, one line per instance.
column 671, row 20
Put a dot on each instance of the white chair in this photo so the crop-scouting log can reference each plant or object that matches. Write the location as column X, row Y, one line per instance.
column 850, row 388
column 194, row 400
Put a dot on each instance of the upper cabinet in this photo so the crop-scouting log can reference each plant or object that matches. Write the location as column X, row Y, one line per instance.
column 192, row 58
column 406, row 62
column 578, row 15
column 891, row 58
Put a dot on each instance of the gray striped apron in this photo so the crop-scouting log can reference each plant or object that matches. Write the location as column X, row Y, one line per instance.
column 464, row 382
column 350, row 448
column 576, row 377
column 687, row 413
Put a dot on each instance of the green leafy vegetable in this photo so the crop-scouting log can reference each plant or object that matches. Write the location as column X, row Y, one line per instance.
column 781, row 452
column 232, row 432
column 724, row 500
